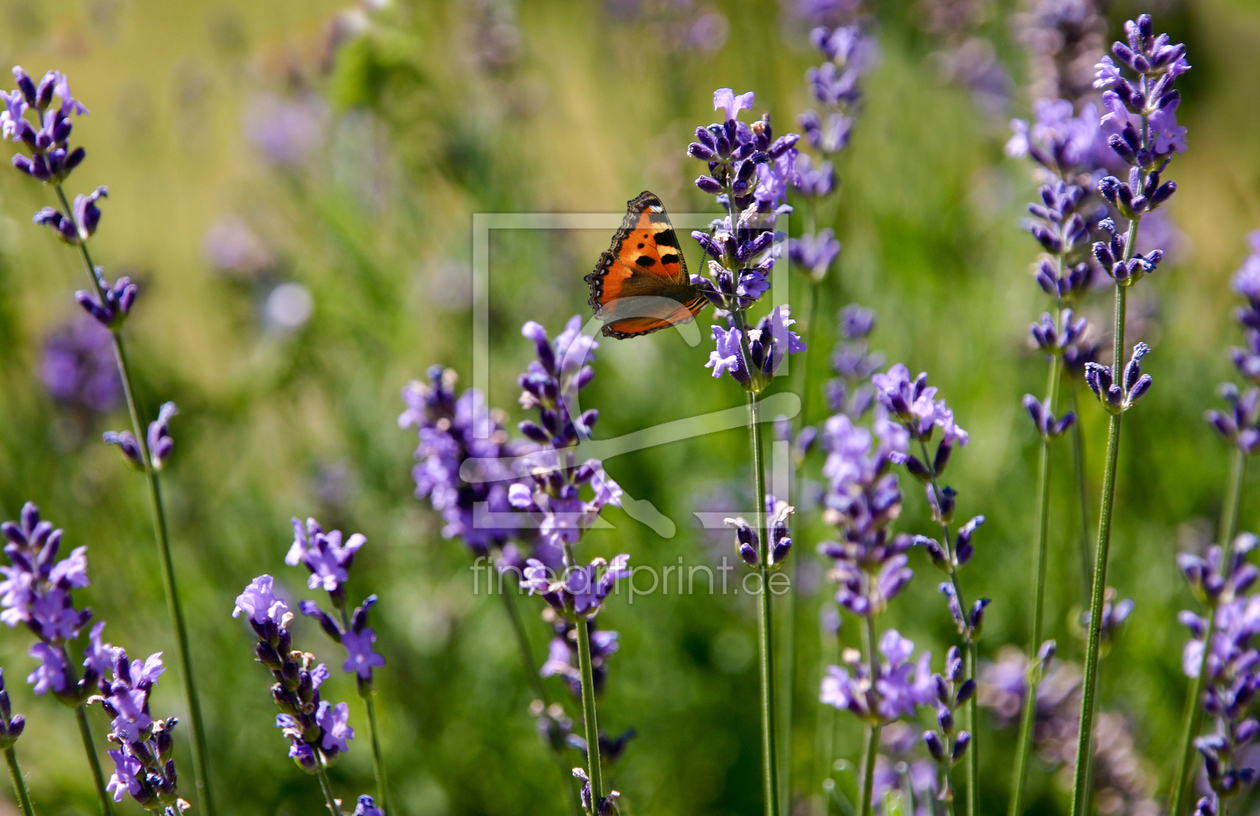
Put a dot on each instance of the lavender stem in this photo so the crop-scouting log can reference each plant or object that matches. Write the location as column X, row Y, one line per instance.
column 1082, row 786
column 1082, row 492
column 588, row 714
column 80, row 713
column 1192, row 718
column 1039, row 581
column 535, row 679
column 326, row 787
column 867, row 794
column 765, row 634
column 200, row 773
column 19, row 783
column 973, row 761
column 825, row 735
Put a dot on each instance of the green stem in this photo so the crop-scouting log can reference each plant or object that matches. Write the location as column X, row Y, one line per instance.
column 98, row 777
column 200, row 773
column 1027, row 720
column 825, row 736
column 868, row 770
column 377, row 761
column 765, row 630
column 973, row 722
column 588, row 714
column 1192, row 716
column 19, row 782
column 1082, row 787
column 326, row 787
column 540, row 689
column 866, row 795
column 1082, row 494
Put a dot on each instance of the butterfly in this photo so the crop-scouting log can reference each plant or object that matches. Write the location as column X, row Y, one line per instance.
column 641, row 285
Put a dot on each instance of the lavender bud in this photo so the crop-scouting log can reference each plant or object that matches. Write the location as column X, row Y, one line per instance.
column 127, row 444
column 960, row 745
column 934, row 745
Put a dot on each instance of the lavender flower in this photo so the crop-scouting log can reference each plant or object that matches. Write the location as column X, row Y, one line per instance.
column 11, row 725
column 749, row 173
column 853, row 362
column 143, row 764
column 912, row 403
column 160, row 441
column 552, row 497
column 35, row 592
column 1247, row 283
column 31, row 118
column 748, row 540
column 895, row 688
column 1064, row 39
column 849, row 54
column 1119, row 394
column 77, row 367
column 562, row 654
column 317, row 730
column 952, row 692
column 329, row 562
column 112, row 306
column 460, row 433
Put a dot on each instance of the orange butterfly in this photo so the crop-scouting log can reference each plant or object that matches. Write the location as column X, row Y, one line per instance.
column 641, row 285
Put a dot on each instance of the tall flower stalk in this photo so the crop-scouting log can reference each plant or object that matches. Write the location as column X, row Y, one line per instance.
column 870, row 570
column 457, row 430
column 1240, row 428
column 912, row 403
column 749, row 173
column 1143, row 132
column 553, row 499
column 318, row 731
column 32, row 118
column 1064, row 147
column 329, row 561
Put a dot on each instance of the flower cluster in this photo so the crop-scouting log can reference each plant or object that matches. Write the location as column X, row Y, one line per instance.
column 317, row 730
column 11, row 725
column 1063, row 39
column 748, row 540
column 110, row 304
column 78, row 369
column 31, row 117
column 946, row 745
column 329, row 560
column 1224, row 649
column 579, row 590
column 552, row 495
column 35, row 592
column 750, row 172
column 849, row 54
column 160, row 441
column 562, row 653
column 460, row 459
column 912, row 403
column 890, row 689
column 1118, row 394
column 862, row 499
column 1240, row 426
column 1123, row 783
column 853, row 362
column 143, row 765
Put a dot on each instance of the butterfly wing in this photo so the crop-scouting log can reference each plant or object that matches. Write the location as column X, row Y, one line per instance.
column 641, row 285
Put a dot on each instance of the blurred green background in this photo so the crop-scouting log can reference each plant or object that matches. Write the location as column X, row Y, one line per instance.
column 251, row 146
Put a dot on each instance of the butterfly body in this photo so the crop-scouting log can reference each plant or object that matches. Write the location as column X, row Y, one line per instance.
column 640, row 284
